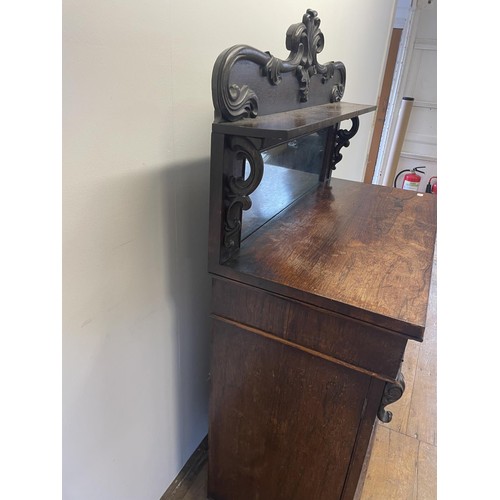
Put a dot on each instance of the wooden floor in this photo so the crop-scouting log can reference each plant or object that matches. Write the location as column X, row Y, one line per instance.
column 401, row 463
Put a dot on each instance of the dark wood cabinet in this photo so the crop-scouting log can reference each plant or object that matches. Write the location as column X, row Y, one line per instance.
column 318, row 283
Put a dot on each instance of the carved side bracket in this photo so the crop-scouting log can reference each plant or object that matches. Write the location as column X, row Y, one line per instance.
column 304, row 41
column 238, row 189
column 393, row 391
column 342, row 140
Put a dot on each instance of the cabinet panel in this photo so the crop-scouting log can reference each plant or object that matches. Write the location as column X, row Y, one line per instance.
column 366, row 346
column 283, row 423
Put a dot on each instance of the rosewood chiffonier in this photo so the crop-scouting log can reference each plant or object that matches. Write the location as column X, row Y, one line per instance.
column 317, row 283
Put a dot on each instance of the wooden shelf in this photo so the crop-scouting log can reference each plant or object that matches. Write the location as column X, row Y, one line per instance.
column 291, row 124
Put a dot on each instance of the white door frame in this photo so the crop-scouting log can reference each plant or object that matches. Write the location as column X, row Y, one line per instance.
column 381, row 172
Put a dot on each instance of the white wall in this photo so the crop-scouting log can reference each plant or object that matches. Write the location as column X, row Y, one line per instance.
column 361, row 32
column 137, row 114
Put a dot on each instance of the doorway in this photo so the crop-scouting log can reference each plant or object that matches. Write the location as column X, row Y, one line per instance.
column 411, row 71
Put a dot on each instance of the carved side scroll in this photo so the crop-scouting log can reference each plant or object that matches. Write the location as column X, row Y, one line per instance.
column 393, row 391
column 238, row 189
column 230, row 101
column 342, row 140
column 304, row 41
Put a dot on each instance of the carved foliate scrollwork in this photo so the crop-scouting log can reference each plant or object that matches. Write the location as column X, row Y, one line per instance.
column 342, row 140
column 393, row 391
column 304, row 41
column 238, row 189
column 235, row 102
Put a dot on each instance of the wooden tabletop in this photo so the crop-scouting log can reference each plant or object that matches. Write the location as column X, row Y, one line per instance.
column 355, row 248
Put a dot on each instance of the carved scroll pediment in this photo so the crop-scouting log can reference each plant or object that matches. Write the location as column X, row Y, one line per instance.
column 235, row 99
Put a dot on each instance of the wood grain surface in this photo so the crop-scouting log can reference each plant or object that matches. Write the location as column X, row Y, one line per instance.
column 282, row 423
column 290, row 124
column 358, row 249
column 365, row 347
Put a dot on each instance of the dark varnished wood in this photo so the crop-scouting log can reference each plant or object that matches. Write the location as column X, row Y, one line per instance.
column 312, row 284
column 295, row 123
column 231, row 189
column 314, row 301
column 364, row 251
column 366, row 348
column 247, row 82
column 365, row 430
column 281, row 420
column 260, row 102
column 393, row 391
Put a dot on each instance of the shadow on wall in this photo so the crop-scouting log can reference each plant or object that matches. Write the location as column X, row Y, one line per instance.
column 185, row 197
column 136, row 329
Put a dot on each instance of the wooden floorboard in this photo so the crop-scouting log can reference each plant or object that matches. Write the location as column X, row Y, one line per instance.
column 401, row 463
column 392, row 469
column 426, row 472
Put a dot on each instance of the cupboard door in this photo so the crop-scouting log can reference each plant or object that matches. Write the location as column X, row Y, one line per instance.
column 283, row 423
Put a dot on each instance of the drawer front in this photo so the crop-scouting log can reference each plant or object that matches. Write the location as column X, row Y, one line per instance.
column 363, row 345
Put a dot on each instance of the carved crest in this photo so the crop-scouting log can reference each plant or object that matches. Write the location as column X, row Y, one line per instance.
column 233, row 101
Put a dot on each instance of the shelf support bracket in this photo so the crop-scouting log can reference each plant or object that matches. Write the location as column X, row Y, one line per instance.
column 342, row 140
column 239, row 187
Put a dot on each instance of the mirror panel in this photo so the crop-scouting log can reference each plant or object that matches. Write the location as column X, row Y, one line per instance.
column 290, row 170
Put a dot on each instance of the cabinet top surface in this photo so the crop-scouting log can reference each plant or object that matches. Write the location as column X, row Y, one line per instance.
column 358, row 247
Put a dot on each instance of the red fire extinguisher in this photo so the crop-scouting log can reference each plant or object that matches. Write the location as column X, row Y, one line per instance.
column 411, row 181
column 432, row 188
